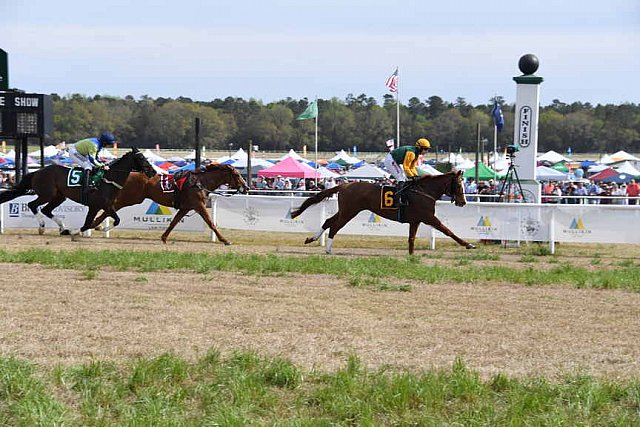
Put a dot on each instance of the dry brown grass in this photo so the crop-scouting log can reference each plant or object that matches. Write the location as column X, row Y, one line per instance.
column 65, row 316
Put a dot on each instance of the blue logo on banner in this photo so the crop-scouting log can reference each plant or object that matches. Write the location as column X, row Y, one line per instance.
column 14, row 210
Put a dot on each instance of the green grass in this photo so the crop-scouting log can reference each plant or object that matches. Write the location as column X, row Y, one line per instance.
column 624, row 275
column 246, row 389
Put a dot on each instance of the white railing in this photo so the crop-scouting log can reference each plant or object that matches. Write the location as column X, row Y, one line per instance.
column 575, row 223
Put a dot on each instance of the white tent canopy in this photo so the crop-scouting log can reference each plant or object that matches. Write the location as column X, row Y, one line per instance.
column 239, row 155
column 342, row 155
column 606, row 159
column 549, row 174
column 327, row 173
column 627, row 168
column 153, row 157
column 552, row 157
column 367, row 171
column 49, row 151
column 622, row 155
column 294, row 155
column 255, row 162
column 427, row 169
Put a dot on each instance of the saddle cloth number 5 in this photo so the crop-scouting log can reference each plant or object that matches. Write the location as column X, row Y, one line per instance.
column 74, row 178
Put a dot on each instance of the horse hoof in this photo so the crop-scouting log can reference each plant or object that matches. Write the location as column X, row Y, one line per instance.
column 308, row 240
column 41, row 231
column 227, row 243
column 470, row 246
column 65, row 232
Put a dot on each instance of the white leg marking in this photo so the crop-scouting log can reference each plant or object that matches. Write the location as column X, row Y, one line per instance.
column 329, row 246
column 60, row 223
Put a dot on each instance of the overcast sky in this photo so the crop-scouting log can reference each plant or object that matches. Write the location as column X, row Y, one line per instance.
column 589, row 50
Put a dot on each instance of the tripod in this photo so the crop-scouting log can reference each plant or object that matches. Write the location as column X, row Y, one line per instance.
column 510, row 187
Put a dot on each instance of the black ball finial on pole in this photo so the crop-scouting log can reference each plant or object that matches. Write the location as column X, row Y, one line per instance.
column 528, row 64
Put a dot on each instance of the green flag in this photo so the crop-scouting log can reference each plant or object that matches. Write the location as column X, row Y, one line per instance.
column 310, row 113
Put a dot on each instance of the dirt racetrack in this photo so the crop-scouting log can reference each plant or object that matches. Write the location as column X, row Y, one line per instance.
column 55, row 316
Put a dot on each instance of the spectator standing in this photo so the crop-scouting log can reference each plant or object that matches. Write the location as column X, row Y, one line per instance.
column 471, row 187
column 594, row 190
column 633, row 190
column 580, row 190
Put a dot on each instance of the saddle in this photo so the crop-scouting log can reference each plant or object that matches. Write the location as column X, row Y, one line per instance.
column 176, row 184
column 395, row 198
column 75, row 177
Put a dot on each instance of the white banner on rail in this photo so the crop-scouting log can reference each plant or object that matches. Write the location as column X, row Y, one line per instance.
column 148, row 215
column 16, row 214
column 476, row 221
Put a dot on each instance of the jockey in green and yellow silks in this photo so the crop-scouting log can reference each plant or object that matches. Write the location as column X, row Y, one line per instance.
column 402, row 163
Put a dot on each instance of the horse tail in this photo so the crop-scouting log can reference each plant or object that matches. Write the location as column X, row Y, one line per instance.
column 17, row 190
column 316, row 198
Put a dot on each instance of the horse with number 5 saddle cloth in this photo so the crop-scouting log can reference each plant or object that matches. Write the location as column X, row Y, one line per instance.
column 192, row 189
column 54, row 184
column 422, row 195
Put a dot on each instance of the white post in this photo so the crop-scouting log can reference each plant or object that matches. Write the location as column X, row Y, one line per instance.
column 525, row 134
column 398, row 112
column 323, row 218
column 552, row 232
column 316, row 161
column 214, row 215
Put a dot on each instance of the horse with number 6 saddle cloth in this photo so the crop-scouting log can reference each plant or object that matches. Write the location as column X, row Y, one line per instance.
column 422, row 193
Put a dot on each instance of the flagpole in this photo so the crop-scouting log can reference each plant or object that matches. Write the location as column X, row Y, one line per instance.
column 316, row 161
column 398, row 110
column 495, row 151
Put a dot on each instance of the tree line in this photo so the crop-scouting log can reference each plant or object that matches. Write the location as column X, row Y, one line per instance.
column 358, row 121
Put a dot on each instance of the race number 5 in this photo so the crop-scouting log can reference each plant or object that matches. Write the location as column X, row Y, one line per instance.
column 388, row 198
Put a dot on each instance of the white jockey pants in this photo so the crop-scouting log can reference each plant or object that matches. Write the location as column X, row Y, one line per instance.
column 394, row 169
column 79, row 159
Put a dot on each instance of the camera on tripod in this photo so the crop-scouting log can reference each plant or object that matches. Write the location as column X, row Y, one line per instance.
column 512, row 149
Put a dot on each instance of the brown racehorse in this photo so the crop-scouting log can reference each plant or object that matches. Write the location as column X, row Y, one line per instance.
column 193, row 197
column 50, row 185
column 355, row 197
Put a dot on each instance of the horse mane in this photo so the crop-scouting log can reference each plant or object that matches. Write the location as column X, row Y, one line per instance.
column 211, row 167
column 452, row 172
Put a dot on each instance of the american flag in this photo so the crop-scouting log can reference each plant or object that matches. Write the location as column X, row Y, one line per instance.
column 392, row 81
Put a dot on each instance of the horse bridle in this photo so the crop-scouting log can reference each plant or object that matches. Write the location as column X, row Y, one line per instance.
column 452, row 189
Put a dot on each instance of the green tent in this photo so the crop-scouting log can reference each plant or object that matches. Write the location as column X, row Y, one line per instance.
column 562, row 167
column 485, row 173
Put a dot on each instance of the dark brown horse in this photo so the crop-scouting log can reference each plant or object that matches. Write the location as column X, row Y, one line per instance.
column 50, row 184
column 355, row 197
column 193, row 196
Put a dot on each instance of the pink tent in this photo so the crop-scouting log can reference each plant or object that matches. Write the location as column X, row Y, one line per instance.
column 290, row 168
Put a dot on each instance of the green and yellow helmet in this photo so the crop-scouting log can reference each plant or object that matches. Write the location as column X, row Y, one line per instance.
column 423, row 143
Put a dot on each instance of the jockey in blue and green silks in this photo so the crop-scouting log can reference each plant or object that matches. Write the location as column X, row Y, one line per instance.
column 85, row 153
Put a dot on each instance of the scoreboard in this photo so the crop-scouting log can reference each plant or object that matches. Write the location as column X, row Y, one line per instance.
column 24, row 115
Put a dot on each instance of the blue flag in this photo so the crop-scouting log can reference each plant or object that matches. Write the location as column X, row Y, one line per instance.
column 498, row 118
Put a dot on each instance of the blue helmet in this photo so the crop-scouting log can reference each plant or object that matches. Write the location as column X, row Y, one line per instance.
column 107, row 138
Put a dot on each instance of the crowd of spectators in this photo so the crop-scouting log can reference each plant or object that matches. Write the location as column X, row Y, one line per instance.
column 6, row 179
column 564, row 192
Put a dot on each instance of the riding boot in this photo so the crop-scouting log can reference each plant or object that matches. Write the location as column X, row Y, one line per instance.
column 86, row 182
column 401, row 194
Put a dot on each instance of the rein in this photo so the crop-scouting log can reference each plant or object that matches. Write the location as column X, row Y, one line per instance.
column 115, row 184
column 451, row 194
